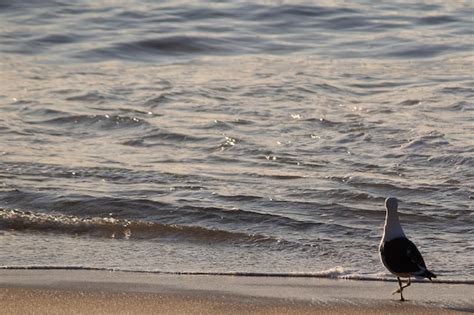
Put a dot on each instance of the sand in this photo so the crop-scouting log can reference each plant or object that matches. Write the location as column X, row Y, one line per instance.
column 104, row 292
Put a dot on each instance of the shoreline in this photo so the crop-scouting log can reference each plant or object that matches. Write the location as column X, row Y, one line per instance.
column 321, row 275
column 106, row 292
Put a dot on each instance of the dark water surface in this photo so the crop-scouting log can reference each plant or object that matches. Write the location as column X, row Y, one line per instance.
column 235, row 136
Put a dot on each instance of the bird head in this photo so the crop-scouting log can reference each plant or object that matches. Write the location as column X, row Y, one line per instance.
column 391, row 203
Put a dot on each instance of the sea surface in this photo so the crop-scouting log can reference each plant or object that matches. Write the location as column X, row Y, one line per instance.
column 248, row 137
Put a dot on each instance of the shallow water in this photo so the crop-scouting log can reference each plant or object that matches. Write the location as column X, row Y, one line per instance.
column 244, row 136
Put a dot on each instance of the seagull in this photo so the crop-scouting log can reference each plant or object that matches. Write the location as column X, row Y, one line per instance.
column 398, row 254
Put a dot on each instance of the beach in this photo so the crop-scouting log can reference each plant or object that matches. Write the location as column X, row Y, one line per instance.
column 105, row 292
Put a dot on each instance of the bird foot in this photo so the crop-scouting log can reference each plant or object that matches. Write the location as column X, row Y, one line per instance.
column 401, row 296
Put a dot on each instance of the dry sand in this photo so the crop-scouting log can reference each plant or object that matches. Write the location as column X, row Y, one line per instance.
column 102, row 292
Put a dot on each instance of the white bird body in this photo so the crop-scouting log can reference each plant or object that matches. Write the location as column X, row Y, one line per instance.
column 392, row 228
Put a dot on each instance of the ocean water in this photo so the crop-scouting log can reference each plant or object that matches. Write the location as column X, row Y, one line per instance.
column 240, row 136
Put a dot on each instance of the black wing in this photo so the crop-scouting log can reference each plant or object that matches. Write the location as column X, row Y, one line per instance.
column 402, row 256
column 415, row 256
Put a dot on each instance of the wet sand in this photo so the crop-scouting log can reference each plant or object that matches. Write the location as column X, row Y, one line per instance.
column 103, row 292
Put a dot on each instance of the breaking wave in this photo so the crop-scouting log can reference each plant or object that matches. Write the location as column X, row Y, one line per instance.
column 110, row 227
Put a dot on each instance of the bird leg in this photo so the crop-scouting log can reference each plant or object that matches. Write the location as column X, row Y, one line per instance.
column 400, row 290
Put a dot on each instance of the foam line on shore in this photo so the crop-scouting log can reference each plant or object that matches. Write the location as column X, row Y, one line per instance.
column 334, row 273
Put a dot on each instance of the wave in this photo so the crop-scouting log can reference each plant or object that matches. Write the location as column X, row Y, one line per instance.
column 98, row 121
column 83, row 207
column 175, row 46
column 338, row 272
column 159, row 136
column 121, row 228
column 433, row 139
column 452, row 159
